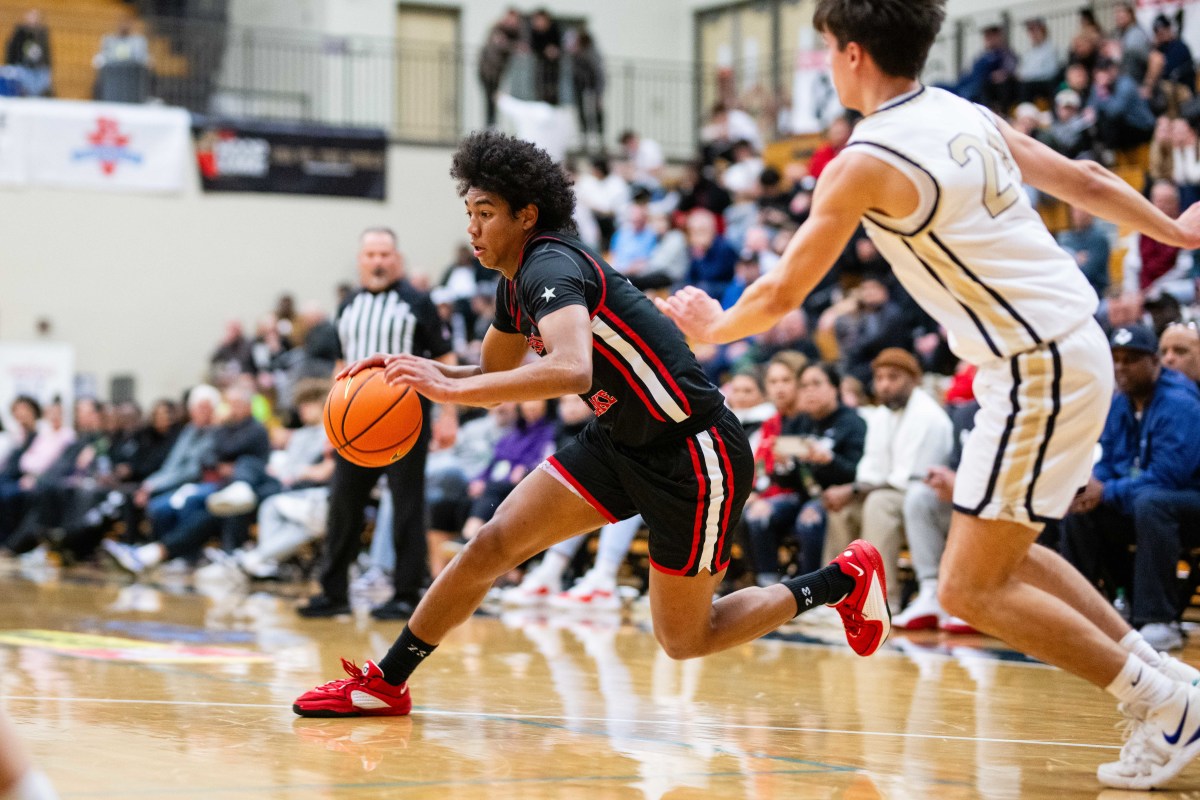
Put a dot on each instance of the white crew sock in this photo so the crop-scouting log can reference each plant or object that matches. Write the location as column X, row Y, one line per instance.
column 1138, row 685
column 1134, row 642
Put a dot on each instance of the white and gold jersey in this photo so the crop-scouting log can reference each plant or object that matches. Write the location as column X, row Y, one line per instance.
column 975, row 253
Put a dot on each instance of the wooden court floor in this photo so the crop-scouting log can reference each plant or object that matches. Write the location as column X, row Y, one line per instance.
column 156, row 691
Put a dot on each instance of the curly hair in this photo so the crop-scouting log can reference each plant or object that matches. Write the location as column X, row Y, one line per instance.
column 518, row 171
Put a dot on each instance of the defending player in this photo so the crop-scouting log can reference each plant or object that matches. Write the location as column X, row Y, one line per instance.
column 937, row 182
column 662, row 443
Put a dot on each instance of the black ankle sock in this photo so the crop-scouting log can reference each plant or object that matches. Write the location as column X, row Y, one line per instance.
column 827, row 585
column 406, row 655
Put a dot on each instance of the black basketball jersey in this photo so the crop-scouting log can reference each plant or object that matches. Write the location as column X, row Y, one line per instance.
column 646, row 384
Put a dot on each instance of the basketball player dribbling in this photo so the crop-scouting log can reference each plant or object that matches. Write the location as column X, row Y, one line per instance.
column 937, row 182
column 662, row 443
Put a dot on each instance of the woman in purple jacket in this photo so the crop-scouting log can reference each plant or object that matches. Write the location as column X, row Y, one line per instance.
column 526, row 445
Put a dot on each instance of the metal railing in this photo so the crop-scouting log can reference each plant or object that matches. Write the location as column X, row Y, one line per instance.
column 431, row 94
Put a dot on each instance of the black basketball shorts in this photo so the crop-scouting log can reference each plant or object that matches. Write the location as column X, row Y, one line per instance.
column 690, row 491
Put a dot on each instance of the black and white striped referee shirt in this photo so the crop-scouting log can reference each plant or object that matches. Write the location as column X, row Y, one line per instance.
column 400, row 319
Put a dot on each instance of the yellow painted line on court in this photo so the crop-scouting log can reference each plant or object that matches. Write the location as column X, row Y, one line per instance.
column 114, row 648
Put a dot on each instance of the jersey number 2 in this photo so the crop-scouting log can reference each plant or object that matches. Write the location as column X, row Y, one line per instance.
column 994, row 159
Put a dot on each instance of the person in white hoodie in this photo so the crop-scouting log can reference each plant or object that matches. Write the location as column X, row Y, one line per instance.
column 907, row 433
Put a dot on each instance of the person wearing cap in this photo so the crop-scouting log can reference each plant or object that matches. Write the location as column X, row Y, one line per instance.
column 1038, row 70
column 907, row 433
column 1144, row 490
column 1070, row 130
column 1123, row 116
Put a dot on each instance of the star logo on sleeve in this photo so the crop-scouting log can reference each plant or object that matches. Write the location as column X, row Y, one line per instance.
column 547, row 295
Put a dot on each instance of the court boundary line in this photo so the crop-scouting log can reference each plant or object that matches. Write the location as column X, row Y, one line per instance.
column 604, row 720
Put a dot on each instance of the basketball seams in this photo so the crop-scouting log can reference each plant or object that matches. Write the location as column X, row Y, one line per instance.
column 375, row 421
column 350, row 402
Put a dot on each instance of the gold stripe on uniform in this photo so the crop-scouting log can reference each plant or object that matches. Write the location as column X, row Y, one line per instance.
column 1007, row 333
column 1036, row 403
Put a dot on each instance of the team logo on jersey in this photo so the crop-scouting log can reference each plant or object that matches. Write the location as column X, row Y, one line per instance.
column 547, row 295
column 536, row 344
column 601, row 401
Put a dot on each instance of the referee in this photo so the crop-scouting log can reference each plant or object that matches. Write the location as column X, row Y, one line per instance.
column 386, row 315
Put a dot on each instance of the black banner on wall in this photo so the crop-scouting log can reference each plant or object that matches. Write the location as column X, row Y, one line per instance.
column 291, row 158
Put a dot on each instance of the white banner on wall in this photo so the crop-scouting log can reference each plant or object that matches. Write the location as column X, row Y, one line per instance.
column 106, row 146
column 41, row 370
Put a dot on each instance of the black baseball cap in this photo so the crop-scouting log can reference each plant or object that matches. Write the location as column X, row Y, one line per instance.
column 1134, row 337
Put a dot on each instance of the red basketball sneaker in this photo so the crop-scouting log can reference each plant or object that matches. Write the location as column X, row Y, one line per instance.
column 865, row 610
column 364, row 694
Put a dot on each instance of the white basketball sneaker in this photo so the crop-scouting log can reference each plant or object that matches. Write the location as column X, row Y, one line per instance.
column 590, row 593
column 923, row 613
column 533, row 590
column 1160, row 746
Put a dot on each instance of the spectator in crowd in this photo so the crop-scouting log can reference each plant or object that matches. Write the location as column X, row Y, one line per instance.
column 927, row 509
column 1070, row 130
column 1152, row 267
column 588, row 77
column 370, row 322
column 1179, row 349
column 669, row 260
column 502, row 41
column 745, row 167
column 712, row 257
column 865, row 324
column 1123, row 117
column 605, row 195
column 546, row 42
column 726, row 126
column 1162, row 151
column 184, row 463
column 991, row 80
column 539, row 122
column 634, row 242
column 1086, row 43
column 836, row 137
column 1089, row 244
column 68, row 487
column 1170, row 61
column 1038, row 70
column 51, row 437
column 645, row 159
column 818, row 447
column 746, row 397
column 233, row 356
column 1135, row 42
column 123, row 46
column 28, row 50
column 525, row 445
column 771, row 509
column 449, row 472
column 1144, row 488
column 219, row 503
column 296, row 513
column 122, row 65
column 697, row 189
column 907, row 433
column 1185, row 161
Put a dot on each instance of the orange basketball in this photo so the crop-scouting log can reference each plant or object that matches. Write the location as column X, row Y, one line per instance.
column 371, row 423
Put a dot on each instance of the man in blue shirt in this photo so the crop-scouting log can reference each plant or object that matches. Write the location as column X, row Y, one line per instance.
column 1144, row 490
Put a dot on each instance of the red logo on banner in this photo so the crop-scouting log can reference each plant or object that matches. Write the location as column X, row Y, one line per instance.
column 109, row 146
